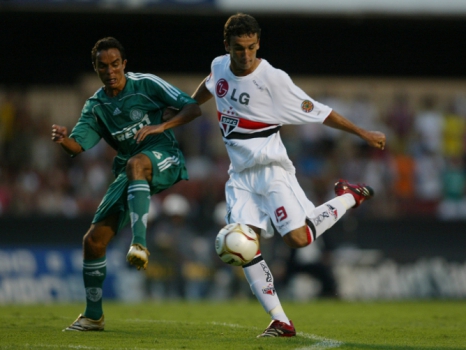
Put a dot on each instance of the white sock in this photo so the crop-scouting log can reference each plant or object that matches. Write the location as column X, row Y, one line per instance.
column 279, row 314
column 326, row 215
column 348, row 200
column 260, row 280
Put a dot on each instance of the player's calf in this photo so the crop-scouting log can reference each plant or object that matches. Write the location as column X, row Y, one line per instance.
column 300, row 237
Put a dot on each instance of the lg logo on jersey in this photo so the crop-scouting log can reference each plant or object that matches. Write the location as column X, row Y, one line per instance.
column 221, row 89
column 243, row 97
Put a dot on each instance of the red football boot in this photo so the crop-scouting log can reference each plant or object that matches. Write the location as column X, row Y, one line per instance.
column 277, row 328
column 359, row 192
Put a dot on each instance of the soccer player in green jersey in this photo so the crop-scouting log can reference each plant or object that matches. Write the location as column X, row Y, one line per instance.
column 127, row 113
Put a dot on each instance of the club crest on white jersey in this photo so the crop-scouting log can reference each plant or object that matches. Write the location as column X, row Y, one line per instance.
column 228, row 124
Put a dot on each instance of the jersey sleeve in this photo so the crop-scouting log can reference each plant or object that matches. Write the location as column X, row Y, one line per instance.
column 87, row 131
column 209, row 84
column 169, row 94
column 293, row 105
column 210, row 81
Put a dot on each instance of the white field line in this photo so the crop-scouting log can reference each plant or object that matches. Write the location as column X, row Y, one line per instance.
column 322, row 343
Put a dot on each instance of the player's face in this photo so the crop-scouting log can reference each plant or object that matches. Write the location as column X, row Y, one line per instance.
column 243, row 50
column 110, row 68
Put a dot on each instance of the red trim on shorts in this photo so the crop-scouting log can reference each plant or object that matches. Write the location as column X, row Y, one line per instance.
column 309, row 235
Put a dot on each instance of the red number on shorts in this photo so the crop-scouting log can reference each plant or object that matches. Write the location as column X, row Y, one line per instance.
column 280, row 214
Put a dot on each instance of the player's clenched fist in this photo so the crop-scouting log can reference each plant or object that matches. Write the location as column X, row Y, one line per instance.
column 59, row 133
column 376, row 139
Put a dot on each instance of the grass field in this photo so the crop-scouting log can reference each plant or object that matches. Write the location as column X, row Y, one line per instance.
column 420, row 325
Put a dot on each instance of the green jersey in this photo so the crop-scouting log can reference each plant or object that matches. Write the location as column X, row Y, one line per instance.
column 117, row 119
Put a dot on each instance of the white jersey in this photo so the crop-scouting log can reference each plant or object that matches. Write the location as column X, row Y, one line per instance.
column 251, row 110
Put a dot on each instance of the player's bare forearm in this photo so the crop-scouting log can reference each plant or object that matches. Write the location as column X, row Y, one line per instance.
column 373, row 138
column 202, row 94
column 60, row 136
column 187, row 114
column 183, row 116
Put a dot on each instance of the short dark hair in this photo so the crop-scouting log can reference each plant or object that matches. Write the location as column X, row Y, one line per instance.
column 105, row 44
column 239, row 25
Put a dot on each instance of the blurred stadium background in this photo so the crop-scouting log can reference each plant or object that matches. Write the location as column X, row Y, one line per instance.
column 390, row 65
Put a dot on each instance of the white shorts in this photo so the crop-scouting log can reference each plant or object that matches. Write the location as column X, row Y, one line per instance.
column 262, row 194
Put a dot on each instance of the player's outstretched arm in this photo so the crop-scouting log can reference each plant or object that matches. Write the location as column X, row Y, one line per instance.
column 60, row 136
column 186, row 114
column 373, row 138
column 202, row 94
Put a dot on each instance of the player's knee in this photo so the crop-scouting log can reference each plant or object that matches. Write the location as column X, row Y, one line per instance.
column 297, row 238
column 133, row 166
column 92, row 246
column 89, row 240
column 139, row 167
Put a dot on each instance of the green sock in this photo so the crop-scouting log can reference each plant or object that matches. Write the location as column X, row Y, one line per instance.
column 139, row 201
column 94, row 273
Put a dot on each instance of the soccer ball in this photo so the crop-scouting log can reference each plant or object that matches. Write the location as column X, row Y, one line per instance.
column 236, row 244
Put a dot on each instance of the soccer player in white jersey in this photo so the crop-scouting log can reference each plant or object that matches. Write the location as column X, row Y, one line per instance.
column 253, row 101
column 127, row 113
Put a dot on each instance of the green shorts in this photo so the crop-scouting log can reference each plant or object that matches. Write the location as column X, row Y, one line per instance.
column 167, row 169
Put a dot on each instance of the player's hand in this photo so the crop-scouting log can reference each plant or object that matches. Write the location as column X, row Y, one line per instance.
column 148, row 130
column 59, row 133
column 169, row 113
column 375, row 139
